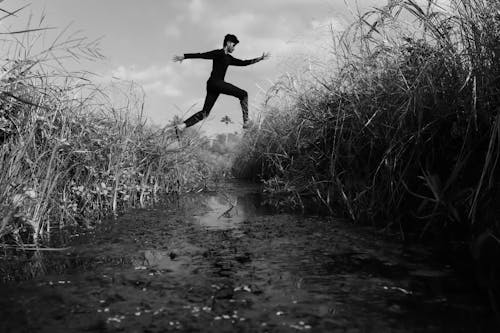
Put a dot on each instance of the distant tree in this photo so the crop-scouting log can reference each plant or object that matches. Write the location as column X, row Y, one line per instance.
column 226, row 120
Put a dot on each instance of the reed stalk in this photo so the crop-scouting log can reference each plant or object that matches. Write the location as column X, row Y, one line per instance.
column 69, row 155
column 400, row 128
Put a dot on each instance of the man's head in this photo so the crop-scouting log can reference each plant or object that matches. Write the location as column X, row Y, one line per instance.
column 230, row 42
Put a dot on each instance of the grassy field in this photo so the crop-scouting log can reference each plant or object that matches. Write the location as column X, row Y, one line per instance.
column 400, row 129
column 73, row 151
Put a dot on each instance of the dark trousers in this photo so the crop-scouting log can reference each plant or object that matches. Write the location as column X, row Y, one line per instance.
column 214, row 89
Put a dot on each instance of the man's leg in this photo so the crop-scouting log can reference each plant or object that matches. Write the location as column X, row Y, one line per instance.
column 242, row 95
column 207, row 106
column 244, row 108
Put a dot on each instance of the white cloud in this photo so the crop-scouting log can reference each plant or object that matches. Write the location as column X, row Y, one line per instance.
column 328, row 24
column 162, row 88
column 242, row 22
column 171, row 80
column 160, row 80
column 300, row 2
column 141, row 75
column 172, row 30
column 196, row 9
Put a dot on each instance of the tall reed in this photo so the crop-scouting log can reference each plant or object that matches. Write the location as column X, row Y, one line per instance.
column 69, row 152
column 401, row 128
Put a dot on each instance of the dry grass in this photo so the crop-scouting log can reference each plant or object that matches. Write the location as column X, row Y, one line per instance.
column 69, row 155
column 403, row 129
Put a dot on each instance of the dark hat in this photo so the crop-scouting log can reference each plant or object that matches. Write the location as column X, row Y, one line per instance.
column 230, row 38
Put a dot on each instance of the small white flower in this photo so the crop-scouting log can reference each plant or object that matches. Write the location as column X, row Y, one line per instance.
column 31, row 194
column 17, row 200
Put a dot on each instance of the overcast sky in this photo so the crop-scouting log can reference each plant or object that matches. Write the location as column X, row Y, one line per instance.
column 141, row 37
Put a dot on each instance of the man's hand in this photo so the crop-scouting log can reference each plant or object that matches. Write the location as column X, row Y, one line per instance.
column 265, row 55
column 178, row 58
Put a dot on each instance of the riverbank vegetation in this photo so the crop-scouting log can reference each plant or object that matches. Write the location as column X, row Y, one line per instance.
column 73, row 149
column 400, row 129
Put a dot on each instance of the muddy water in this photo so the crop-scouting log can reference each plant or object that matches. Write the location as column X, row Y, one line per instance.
column 224, row 262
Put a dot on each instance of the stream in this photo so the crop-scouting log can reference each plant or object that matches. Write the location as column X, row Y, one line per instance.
column 224, row 261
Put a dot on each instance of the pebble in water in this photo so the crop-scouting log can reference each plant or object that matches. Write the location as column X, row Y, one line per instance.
column 116, row 319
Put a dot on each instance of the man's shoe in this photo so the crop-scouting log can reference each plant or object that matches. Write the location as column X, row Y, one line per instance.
column 180, row 127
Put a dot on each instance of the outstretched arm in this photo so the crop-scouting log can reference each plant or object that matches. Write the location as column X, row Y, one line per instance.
column 238, row 62
column 205, row 55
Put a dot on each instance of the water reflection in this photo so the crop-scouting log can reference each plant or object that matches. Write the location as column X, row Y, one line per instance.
column 228, row 262
column 160, row 260
column 223, row 211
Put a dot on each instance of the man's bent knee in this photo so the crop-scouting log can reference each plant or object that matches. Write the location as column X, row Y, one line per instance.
column 205, row 113
column 244, row 100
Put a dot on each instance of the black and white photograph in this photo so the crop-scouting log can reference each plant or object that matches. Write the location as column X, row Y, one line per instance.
column 261, row 166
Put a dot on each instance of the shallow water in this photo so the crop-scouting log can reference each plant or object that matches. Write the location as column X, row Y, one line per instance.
column 224, row 262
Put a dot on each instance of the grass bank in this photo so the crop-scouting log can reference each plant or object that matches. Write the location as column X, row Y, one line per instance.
column 72, row 150
column 401, row 129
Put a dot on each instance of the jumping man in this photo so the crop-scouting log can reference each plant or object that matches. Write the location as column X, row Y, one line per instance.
column 216, row 85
